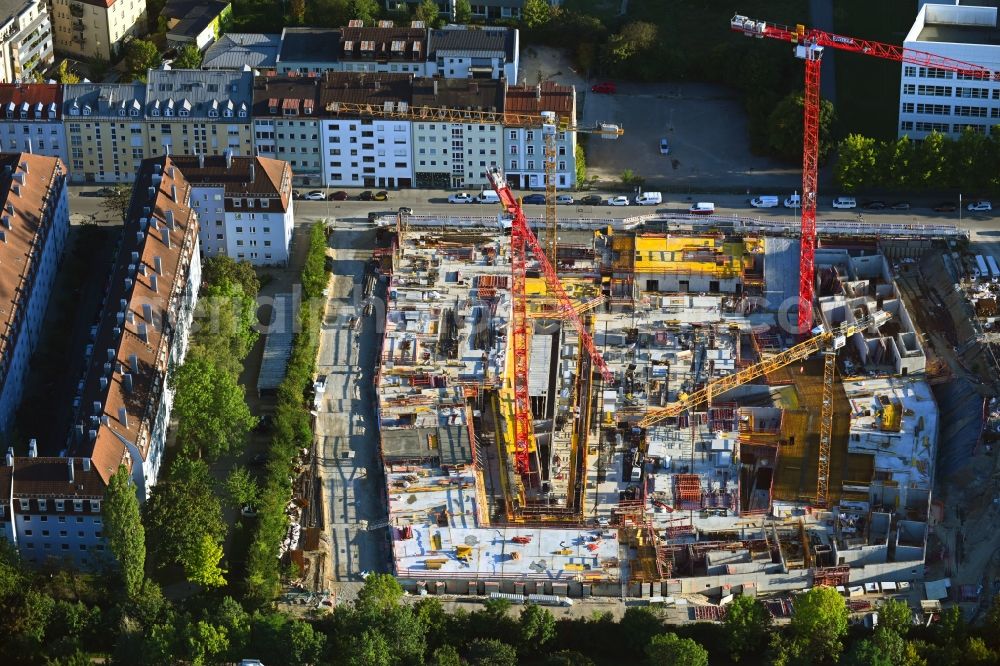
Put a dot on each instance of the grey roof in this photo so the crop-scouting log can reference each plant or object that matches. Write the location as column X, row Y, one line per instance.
column 309, row 45
column 236, row 49
column 453, row 445
column 198, row 17
column 278, row 343
column 169, row 92
column 478, row 42
column 103, row 99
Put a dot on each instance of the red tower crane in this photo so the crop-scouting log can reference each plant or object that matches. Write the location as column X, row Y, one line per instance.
column 521, row 239
column 809, row 44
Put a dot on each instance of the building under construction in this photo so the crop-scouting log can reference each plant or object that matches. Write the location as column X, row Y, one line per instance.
column 733, row 493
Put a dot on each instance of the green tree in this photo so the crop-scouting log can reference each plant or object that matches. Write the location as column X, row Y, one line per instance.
column 125, row 533
column 884, row 648
column 638, row 626
column 189, row 57
column 381, row 592
column 241, row 488
column 568, row 658
column 231, row 616
column 64, row 75
column 297, row 9
column 225, row 326
column 314, row 273
column 928, row 169
column 278, row 639
column 219, row 269
column 428, row 12
column 537, row 627
column 463, row 11
column 180, row 510
column 366, row 10
column 747, row 624
column 212, row 413
column 857, row 164
column 491, row 652
column 819, row 624
column 370, row 648
column 785, row 128
column 116, row 203
column 671, row 650
column 446, row 655
column 201, row 562
column 634, row 39
column 896, row 616
column 535, row 13
column 141, row 55
column 328, row 13
column 581, row 165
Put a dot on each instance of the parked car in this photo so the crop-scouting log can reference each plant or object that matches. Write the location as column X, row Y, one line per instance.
column 339, row 195
column 315, row 195
column 702, row 208
column 664, row 147
column 107, row 192
column 381, row 195
column 564, row 199
column 592, row 200
column 618, row 201
column 873, row 205
column 405, row 210
column 460, row 198
column 945, row 207
column 367, row 195
column 296, row 194
column 900, row 205
column 319, row 386
column 980, row 206
column 248, row 511
column 605, row 88
column 534, row 199
column 794, row 201
column 845, row 202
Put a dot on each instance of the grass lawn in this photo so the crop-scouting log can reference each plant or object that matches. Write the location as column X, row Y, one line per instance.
column 868, row 87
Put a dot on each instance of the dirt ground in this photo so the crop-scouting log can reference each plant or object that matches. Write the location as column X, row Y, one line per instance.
column 704, row 124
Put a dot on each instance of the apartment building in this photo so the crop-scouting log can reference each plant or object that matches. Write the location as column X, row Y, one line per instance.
column 938, row 100
column 457, row 154
column 105, row 131
column 195, row 22
column 50, row 508
column 354, row 48
column 481, row 9
column 34, row 221
column 464, row 52
column 365, row 152
column 25, row 40
column 244, row 206
column 123, row 407
column 286, row 125
column 524, row 149
column 31, row 119
column 191, row 111
column 236, row 50
column 96, row 29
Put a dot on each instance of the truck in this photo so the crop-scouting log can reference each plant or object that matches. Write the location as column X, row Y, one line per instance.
column 991, row 263
column 982, row 271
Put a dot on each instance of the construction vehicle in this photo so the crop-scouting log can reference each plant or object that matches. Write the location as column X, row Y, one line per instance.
column 521, row 239
column 826, row 341
column 809, row 45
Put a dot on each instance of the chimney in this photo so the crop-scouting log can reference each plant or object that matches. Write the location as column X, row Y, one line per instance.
column 29, row 147
column 133, row 362
column 10, row 456
column 152, row 283
column 130, row 316
column 86, row 464
column 3, row 237
column 165, row 236
column 169, row 215
column 538, row 92
column 111, row 351
column 435, row 88
column 201, row 160
column 171, row 172
column 173, row 192
column 69, row 464
column 229, row 158
column 123, row 416
column 92, row 434
column 147, row 313
column 152, row 192
column 253, row 173
column 142, row 336
column 24, row 165
column 158, row 265
column 104, row 383
column 127, row 382
column 33, row 448
column 19, row 177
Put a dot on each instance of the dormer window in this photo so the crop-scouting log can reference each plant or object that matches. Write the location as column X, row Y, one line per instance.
column 86, row 109
column 38, row 110
column 133, row 112
column 42, row 505
column 52, row 110
column 78, row 505
column 272, row 105
column 25, row 505
column 228, row 113
column 265, row 203
column 155, row 112
column 213, row 113
column 121, row 112
column 95, row 506
column 243, row 113
column 183, row 113
column 185, row 109
column 60, row 505
column 237, row 203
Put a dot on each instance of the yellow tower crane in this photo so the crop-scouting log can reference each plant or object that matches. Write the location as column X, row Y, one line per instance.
column 550, row 124
column 824, row 341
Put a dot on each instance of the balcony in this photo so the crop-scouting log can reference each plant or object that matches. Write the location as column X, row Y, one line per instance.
column 78, row 25
column 76, row 11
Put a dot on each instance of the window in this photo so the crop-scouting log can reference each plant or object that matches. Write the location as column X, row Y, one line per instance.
column 531, row 150
column 970, row 111
column 27, row 533
column 931, row 127
column 513, row 135
column 934, row 91
column 934, row 73
column 78, row 505
column 513, row 164
column 95, row 506
column 513, row 150
column 531, row 164
column 909, row 70
column 972, row 93
column 936, row 109
column 25, row 505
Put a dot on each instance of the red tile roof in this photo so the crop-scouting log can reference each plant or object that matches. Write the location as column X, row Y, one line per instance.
column 32, row 94
column 548, row 96
column 269, row 178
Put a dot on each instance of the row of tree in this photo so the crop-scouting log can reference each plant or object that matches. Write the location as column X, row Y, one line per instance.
column 970, row 163
column 292, row 428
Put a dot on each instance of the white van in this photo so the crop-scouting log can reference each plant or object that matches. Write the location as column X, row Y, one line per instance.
column 845, row 202
column 793, row 201
column 702, row 208
column 765, row 201
column 487, row 197
column 649, row 199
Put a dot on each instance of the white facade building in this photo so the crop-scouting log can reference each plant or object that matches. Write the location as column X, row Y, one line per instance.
column 25, row 39
column 524, row 149
column 366, row 153
column 31, row 119
column 465, row 52
column 34, row 222
column 938, row 100
column 244, row 205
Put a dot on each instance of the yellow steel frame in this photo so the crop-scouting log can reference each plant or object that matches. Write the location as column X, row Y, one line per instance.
column 799, row 352
column 826, row 428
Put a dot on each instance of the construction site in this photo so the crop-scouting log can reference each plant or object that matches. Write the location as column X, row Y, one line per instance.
column 680, row 439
